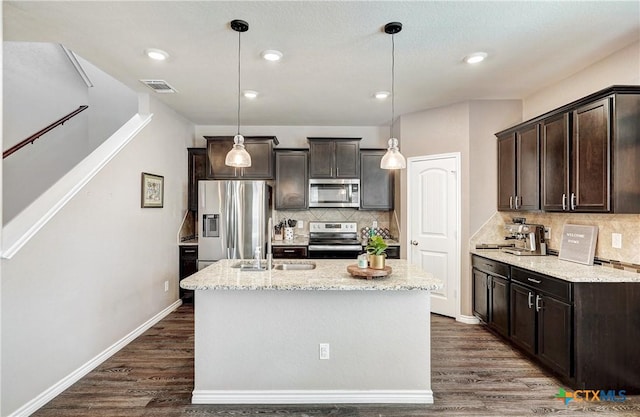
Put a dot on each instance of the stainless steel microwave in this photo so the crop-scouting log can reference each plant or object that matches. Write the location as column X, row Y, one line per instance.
column 334, row 193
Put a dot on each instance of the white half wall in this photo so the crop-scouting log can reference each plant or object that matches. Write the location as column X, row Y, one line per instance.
column 264, row 346
column 96, row 271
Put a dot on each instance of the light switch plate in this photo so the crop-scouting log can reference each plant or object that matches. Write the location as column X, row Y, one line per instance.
column 616, row 240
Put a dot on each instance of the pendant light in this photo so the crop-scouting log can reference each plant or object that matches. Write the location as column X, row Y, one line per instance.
column 238, row 155
column 393, row 159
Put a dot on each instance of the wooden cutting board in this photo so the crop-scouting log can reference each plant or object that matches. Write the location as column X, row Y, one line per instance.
column 368, row 273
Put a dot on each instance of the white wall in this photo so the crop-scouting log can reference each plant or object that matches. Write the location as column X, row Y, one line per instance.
column 44, row 86
column 1, row 129
column 32, row 102
column 96, row 271
column 467, row 128
column 620, row 68
column 112, row 104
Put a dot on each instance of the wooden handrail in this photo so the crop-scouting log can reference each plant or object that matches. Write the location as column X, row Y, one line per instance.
column 39, row 133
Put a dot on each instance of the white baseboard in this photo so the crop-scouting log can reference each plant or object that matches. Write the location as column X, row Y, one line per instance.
column 312, row 397
column 467, row 319
column 56, row 389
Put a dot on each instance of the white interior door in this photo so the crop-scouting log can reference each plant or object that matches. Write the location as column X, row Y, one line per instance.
column 433, row 224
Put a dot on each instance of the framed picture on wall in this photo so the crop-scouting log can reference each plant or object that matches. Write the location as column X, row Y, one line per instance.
column 152, row 191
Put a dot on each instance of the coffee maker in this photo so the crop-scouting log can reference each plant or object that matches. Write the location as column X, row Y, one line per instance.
column 529, row 239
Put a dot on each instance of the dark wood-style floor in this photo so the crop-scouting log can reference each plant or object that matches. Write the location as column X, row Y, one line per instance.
column 473, row 374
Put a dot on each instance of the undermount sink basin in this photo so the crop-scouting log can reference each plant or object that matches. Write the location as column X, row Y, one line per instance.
column 250, row 266
column 297, row 266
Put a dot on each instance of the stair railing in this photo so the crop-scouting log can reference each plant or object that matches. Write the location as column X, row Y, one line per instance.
column 39, row 133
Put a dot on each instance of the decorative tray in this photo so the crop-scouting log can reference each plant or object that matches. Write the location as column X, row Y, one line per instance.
column 368, row 273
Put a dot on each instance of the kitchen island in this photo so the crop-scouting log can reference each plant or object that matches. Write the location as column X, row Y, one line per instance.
column 259, row 336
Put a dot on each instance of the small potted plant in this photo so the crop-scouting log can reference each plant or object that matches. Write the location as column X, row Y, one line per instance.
column 376, row 249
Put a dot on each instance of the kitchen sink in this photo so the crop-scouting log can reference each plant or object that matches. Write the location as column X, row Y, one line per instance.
column 250, row 265
column 295, row 266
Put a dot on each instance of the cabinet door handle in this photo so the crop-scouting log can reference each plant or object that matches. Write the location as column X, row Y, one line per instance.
column 564, row 201
column 530, row 299
column 535, row 281
column 289, row 251
column 517, row 206
column 510, row 201
column 538, row 304
column 573, row 201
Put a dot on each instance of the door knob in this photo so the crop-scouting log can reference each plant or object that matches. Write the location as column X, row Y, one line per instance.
column 414, row 242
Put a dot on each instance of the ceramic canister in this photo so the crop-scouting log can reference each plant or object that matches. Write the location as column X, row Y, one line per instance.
column 288, row 233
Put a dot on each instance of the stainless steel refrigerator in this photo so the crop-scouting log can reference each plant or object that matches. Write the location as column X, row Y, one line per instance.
column 232, row 217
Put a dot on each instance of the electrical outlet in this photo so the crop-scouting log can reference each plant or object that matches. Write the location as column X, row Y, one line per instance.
column 374, row 224
column 325, row 352
column 547, row 233
column 616, row 240
column 166, row 286
column 300, row 224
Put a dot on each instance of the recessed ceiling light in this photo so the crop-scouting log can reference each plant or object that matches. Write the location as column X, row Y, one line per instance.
column 272, row 55
column 382, row 95
column 157, row 54
column 250, row 94
column 475, row 57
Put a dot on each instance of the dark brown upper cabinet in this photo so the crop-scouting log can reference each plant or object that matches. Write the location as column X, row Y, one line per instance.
column 334, row 157
column 291, row 188
column 590, row 154
column 519, row 169
column 555, row 162
column 376, row 184
column 197, row 166
column 259, row 147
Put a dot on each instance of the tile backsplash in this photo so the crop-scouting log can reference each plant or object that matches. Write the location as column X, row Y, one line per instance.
column 363, row 218
column 628, row 225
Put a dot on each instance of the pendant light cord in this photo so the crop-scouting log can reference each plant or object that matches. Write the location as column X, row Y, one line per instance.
column 238, row 129
column 393, row 82
column 239, row 49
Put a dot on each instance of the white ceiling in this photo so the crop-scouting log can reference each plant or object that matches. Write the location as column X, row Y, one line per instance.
column 335, row 53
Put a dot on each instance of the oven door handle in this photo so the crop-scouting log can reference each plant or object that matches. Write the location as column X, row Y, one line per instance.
column 337, row 248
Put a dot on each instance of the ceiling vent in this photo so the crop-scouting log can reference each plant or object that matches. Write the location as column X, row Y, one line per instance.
column 159, row 86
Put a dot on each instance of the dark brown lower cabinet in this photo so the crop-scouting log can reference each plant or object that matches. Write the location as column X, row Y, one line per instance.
column 554, row 334
column 290, row 252
column 541, row 325
column 491, row 293
column 499, row 318
column 523, row 318
column 541, row 318
column 188, row 266
column 586, row 333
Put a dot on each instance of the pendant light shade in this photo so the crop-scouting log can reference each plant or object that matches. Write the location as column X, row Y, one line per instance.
column 238, row 156
column 393, row 159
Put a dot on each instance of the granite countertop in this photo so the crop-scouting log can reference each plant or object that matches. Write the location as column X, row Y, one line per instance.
column 329, row 274
column 566, row 270
column 296, row 241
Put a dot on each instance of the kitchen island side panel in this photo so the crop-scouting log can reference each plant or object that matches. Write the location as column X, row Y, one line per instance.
column 268, row 341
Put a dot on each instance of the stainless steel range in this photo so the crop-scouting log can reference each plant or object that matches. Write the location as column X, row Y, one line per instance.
column 337, row 240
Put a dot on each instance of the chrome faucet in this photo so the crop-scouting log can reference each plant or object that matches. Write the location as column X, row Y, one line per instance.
column 269, row 254
column 257, row 257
